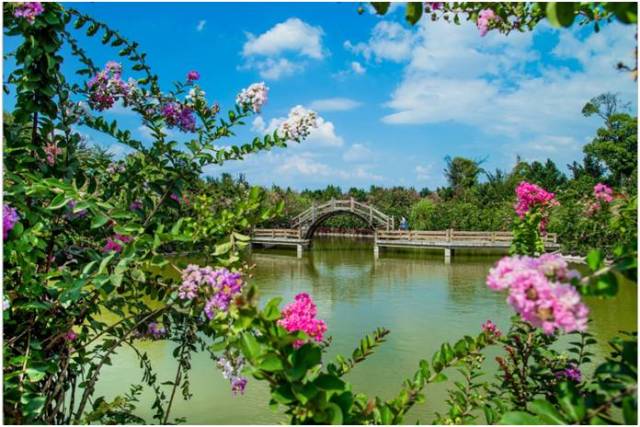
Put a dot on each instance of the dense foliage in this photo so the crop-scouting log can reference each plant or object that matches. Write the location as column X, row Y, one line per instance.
column 84, row 236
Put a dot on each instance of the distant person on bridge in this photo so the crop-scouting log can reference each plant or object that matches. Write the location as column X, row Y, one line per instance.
column 404, row 224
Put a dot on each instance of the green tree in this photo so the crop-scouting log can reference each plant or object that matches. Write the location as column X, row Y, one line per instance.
column 461, row 173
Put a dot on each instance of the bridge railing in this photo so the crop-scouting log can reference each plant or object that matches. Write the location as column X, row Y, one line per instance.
column 456, row 236
column 277, row 233
column 351, row 205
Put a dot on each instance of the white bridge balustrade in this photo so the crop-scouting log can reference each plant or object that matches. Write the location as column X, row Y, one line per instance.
column 304, row 226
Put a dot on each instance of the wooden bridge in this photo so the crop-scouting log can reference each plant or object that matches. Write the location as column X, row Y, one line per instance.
column 304, row 226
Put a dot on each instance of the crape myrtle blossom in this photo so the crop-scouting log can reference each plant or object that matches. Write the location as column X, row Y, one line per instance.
column 70, row 335
column 156, row 331
column 107, row 86
column 193, row 76
column 484, row 20
column 231, row 365
column 433, row 6
column 540, row 291
column 52, row 151
column 136, row 205
column 180, row 116
column 299, row 124
column 116, row 167
column 115, row 243
column 603, row 192
column 70, row 215
column 572, row 373
column 28, row 10
column 9, row 219
column 491, row 329
column 300, row 315
column 253, row 97
column 219, row 287
column 529, row 197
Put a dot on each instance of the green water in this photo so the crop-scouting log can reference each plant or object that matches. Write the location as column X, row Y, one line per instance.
column 414, row 294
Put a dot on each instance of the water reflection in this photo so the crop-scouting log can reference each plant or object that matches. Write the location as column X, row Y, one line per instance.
column 414, row 294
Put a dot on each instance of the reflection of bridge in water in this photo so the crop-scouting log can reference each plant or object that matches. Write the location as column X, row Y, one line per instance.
column 304, row 226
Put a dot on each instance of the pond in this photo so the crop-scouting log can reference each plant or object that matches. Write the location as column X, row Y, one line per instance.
column 423, row 301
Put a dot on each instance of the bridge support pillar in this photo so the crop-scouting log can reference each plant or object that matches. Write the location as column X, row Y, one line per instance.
column 299, row 250
column 376, row 251
column 447, row 255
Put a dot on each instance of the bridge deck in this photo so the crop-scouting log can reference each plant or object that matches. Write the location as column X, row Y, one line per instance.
column 442, row 239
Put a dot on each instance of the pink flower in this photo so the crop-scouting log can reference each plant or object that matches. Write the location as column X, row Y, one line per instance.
column 531, row 196
column 9, row 219
column 484, row 19
column 52, row 151
column 193, row 76
column 114, row 244
column 254, row 97
column 603, row 192
column 540, row 293
column 300, row 315
column 29, row 11
column 70, row 335
column 433, row 6
column 490, row 328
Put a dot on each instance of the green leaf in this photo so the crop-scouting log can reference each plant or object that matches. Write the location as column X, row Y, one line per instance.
column 99, row 220
column 561, row 14
column 547, row 412
column 571, row 402
column 519, row 417
column 335, row 414
column 414, row 12
column 630, row 410
column 59, row 201
column 329, row 382
column 251, row 346
column 271, row 311
column 271, row 363
column 594, row 259
column 381, row 7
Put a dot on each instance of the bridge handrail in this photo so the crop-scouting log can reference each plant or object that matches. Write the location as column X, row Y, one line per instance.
column 333, row 205
column 451, row 235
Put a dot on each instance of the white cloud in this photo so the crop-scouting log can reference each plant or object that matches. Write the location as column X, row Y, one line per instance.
column 304, row 164
column 357, row 153
column 423, row 173
column 201, row 25
column 389, row 41
column 334, row 104
column 357, row 68
column 497, row 84
column 281, row 50
column 118, row 151
column 293, row 35
column 258, row 124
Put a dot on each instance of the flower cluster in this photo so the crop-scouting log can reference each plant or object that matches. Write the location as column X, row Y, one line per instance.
column 136, row 205
column 572, row 373
column 52, row 151
column 70, row 335
column 218, row 286
column 193, row 76
column 28, row 10
column 603, row 192
column 253, row 97
column 491, row 329
column 530, row 196
column 231, row 366
column 180, row 116
column 114, row 244
column 432, row 6
column 107, row 86
column 156, row 331
column 116, row 167
column 540, row 292
column 300, row 315
column 484, row 20
column 299, row 124
column 9, row 219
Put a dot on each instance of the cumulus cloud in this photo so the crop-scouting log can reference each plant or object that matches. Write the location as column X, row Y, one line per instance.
column 357, row 153
column 498, row 85
column 282, row 50
column 423, row 172
column 357, row 68
column 388, row 41
column 334, row 104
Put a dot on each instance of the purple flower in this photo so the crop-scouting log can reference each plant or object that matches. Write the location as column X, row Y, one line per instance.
column 28, row 11
column 238, row 385
column 193, row 76
column 572, row 373
column 218, row 286
column 135, row 205
column 490, row 328
column 9, row 219
column 70, row 335
column 71, row 215
column 178, row 115
column 434, row 5
column 107, row 86
column 156, row 331
column 115, row 243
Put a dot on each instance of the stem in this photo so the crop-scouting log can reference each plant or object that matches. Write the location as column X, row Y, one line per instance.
column 178, row 377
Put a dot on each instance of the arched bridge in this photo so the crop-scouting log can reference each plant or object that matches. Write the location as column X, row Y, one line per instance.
column 304, row 226
column 308, row 221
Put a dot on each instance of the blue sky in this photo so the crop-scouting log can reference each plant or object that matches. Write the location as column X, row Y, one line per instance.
column 393, row 100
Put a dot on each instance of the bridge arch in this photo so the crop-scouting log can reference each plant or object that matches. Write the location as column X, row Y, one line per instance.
column 308, row 221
